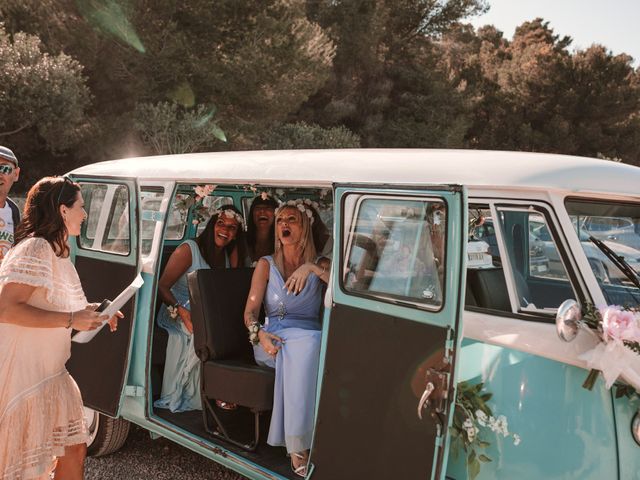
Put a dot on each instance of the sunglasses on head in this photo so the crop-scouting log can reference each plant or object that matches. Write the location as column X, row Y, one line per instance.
column 6, row 169
column 65, row 180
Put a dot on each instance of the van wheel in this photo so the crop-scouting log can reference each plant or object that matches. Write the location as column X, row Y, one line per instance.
column 106, row 434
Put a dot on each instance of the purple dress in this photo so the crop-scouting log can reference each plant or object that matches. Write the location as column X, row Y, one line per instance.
column 295, row 319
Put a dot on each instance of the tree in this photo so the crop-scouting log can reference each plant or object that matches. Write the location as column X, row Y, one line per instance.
column 40, row 94
column 256, row 61
column 170, row 128
column 302, row 135
column 605, row 116
column 385, row 86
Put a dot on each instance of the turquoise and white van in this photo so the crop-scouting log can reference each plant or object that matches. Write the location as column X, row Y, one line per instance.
column 416, row 312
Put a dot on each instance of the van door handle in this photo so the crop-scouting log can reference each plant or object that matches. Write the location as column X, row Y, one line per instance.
column 425, row 398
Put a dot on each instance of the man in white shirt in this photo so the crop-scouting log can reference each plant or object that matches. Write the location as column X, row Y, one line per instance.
column 9, row 212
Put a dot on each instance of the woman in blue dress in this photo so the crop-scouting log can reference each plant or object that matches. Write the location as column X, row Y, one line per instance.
column 290, row 284
column 220, row 245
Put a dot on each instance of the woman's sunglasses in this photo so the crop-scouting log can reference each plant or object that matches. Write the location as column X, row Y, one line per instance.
column 65, row 180
column 6, row 169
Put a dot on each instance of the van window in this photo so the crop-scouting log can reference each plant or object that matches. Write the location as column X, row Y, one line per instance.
column 395, row 249
column 609, row 228
column 107, row 226
column 150, row 201
column 177, row 217
column 539, row 274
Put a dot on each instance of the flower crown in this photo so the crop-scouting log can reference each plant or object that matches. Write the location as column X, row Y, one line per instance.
column 302, row 204
column 229, row 214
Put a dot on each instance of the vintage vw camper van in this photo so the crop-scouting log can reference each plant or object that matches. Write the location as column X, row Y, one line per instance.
column 413, row 318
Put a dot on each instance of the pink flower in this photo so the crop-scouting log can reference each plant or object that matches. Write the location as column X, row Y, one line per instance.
column 204, row 190
column 618, row 324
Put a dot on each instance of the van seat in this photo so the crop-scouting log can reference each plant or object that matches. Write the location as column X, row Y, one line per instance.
column 489, row 288
column 229, row 372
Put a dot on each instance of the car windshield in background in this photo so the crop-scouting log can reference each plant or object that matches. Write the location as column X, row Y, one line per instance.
column 617, row 225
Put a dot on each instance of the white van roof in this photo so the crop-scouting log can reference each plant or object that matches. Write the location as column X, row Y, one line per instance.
column 381, row 166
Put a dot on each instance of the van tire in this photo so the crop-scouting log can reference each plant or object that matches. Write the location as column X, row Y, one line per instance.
column 107, row 434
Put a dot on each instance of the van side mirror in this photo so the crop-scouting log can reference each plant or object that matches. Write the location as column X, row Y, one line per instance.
column 568, row 320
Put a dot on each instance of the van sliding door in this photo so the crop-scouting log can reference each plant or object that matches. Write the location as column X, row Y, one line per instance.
column 386, row 391
column 106, row 258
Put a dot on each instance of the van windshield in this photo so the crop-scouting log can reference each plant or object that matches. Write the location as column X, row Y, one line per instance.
column 617, row 226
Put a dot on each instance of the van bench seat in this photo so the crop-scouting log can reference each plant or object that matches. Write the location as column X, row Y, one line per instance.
column 220, row 338
column 237, row 382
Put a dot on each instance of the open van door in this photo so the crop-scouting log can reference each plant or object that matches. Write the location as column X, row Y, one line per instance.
column 106, row 257
column 386, row 393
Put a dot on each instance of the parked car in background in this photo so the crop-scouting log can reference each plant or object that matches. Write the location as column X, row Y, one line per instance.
column 538, row 261
column 604, row 268
column 622, row 230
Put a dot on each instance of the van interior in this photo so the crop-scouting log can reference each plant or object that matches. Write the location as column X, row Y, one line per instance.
column 228, row 370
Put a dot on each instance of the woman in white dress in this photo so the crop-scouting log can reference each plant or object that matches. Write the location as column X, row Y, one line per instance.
column 41, row 302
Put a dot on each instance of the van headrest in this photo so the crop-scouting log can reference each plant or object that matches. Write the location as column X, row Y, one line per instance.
column 218, row 299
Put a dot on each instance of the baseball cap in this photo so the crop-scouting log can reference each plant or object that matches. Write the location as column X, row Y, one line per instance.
column 7, row 154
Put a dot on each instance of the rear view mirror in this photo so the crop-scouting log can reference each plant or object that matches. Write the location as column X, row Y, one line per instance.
column 568, row 319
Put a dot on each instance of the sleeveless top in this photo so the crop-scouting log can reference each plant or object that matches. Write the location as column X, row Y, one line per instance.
column 288, row 310
column 180, row 289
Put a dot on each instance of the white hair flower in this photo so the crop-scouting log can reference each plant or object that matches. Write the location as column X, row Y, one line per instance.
column 303, row 206
column 229, row 213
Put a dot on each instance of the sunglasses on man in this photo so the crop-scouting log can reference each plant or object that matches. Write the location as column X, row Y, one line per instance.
column 6, row 169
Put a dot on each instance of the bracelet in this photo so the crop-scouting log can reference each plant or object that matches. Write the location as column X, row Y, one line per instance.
column 254, row 329
column 70, row 320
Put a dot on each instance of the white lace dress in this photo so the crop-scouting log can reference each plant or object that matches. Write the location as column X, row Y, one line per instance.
column 40, row 404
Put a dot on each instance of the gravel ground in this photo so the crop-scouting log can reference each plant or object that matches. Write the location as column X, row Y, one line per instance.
column 142, row 458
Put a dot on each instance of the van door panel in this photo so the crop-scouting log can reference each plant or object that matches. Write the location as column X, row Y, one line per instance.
column 100, row 366
column 368, row 402
column 388, row 334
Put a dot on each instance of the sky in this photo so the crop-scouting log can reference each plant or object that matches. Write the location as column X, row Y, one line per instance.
column 613, row 23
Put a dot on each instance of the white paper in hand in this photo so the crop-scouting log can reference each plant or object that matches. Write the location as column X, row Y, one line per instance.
column 111, row 310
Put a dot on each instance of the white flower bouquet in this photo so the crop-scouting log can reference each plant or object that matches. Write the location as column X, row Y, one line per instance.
column 473, row 420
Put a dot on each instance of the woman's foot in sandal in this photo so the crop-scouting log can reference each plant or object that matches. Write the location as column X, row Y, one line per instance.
column 299, row 461
column 226, row 405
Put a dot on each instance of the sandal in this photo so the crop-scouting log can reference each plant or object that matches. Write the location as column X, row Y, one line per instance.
column 301, row 470
column 226, row 405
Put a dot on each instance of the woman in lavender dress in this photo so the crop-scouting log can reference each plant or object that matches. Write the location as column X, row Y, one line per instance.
column 290, row 284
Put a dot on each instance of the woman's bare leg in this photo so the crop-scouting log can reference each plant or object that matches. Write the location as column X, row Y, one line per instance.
column 71, row 465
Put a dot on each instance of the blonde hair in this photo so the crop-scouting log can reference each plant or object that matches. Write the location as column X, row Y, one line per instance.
column 306, row 246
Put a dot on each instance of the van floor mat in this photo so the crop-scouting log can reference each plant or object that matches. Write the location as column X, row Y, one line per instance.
column 239, row 423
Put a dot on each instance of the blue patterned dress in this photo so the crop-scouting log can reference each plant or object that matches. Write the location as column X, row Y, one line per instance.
column 181, row 379
column 295, row 319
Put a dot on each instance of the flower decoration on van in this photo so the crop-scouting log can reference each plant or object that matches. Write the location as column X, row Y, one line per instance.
column 472, row 420
column 230, row 214
column 200, row 210
column 203, row 191
column 618, row 349
column 303, row 205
